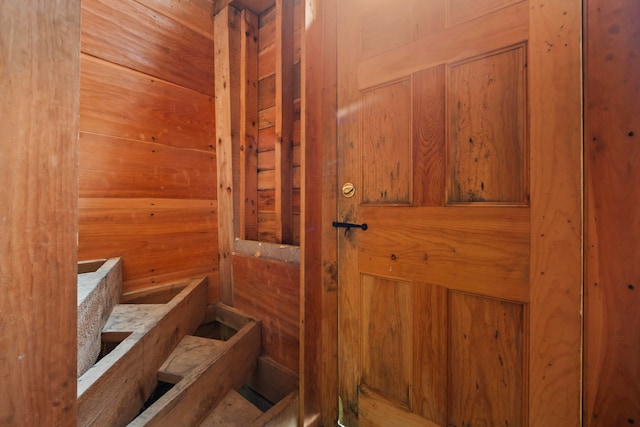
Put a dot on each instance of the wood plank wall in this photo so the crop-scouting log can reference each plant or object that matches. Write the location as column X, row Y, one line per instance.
column 612, row 208
column 267, row 115
column 39, row 83
column 147, row 152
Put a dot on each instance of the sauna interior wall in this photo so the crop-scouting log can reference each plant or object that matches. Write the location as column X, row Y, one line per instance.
column 147, row 177
column 265, row 288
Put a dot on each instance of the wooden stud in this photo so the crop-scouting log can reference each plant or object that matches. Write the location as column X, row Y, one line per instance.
column 256, row 6
column 284, row 120
column 248, row 213
column 40, row 43
column 612, row 228
column 227, row 89
column 318, row 270
column 556, row 262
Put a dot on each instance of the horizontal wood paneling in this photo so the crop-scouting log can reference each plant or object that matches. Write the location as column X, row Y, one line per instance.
column 194, row 14
column 147, row 151
column 119, row 102
column 270, row 291
column 116, row 167
column 473, row 250
column 127, row 33
column 158, row 239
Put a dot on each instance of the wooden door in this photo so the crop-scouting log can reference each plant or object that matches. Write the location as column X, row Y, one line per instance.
column 459, row 126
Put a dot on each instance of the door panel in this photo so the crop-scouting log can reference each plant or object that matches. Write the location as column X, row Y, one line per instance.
column 434, row 297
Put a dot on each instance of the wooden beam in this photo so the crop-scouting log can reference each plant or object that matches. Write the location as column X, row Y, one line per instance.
column 149, row 332
column 612, row 232
column 40, row 42
column 249, row 127
column 318, row 275
column 282, row 414
column 256, row 6
column 284, row 121
column 227, row 90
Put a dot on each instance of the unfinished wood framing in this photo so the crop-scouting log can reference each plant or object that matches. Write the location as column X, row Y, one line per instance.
column 256, row 6
column 104, row 399
column 248, row 209
column 612, row 206
column 40, row 42
column 227, row 39
column 284, row 121
column 318, row 271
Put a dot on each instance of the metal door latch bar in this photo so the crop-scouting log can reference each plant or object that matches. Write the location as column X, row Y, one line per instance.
column 349, row 226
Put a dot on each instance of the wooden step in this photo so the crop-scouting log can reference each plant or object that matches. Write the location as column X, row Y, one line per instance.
column 204, row 371
column 233, row 411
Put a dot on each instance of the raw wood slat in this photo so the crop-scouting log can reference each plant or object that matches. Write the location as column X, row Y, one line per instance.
column 284, row 120
column 103, row 398
column 612, row 159
column 495, row 31
column 316, row 132
column 256, row 6
column 233, row 411
column 556, row 213
column 248, row 206
column 227, row 105
column 482, row 250
column 269, row 290
column 272, row 380
column 124, row 32
column 116, row 167
column 195, row 14
column 283, row 414
column 189, row 401
column 122, row 103
column 39, row 41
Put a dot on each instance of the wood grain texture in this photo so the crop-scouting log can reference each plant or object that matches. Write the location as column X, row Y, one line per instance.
column 249, row 96
column 429, row 153
column 159, row 240
column 117, row 167
column 270, row 291
column 486, row 360
column 39, row 41
column 556, row 225
column 124, row 32
column 487, row 145
column 387, row 337
column 459, row 11
column 194, row 14
column 386, row 144
column 506, row 27
column 284, row 120
column 227, row 89
column 318, row 270
column 483, row 250
column 612, row 152
column 118, row 102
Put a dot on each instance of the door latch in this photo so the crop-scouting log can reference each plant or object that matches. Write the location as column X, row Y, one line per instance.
column 349, row 226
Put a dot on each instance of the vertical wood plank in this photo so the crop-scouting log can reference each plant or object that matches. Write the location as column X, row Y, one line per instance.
column 227, row 90
column 612, row 174
column 429, row 155
column 556, row 262
column 318, row 270
column 40, row 43
column 284, row 120
column 248, row 214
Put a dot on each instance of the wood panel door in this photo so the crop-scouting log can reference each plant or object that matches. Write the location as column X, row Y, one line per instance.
column 459, row 127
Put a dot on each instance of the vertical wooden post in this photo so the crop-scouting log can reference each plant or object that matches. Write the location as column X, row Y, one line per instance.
column 284, row 121
column 249, row 127
column 40, row 44
column 612, row 213
column 319, row 296
column 556, row 211
column 227, row 93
